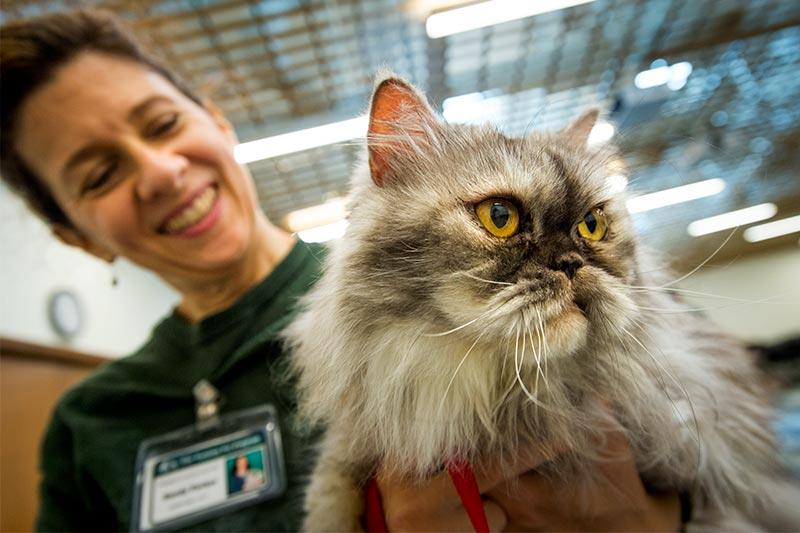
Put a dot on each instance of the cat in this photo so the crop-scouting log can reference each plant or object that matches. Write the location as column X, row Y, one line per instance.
column 487, row 289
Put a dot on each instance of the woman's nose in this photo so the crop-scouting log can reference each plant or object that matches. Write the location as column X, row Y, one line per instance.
column 160, row 172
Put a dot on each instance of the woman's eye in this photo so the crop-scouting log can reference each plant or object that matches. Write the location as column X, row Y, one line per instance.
column 500, row 217
column 163, row 125
column 594, row 225
column 101, row 177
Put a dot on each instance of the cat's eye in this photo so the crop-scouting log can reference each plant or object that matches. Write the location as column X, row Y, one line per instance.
column 499, row 216
column 594, row 225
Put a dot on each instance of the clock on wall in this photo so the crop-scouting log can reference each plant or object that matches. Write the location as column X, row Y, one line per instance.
column 65, row 313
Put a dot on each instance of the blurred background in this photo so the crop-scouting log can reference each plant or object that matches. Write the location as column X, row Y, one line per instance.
column 703, row 98
column 704, row 94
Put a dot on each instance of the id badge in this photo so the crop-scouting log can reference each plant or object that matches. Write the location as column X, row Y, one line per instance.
column 193, row 474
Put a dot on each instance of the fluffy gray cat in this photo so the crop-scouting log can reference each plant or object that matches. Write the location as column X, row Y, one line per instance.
column 487, row 291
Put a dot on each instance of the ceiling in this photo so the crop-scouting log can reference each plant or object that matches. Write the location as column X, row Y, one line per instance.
column 276, row 66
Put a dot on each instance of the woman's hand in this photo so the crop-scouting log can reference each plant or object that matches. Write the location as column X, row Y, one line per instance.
column 615, row 501
column 435, row 504
column 525, row 500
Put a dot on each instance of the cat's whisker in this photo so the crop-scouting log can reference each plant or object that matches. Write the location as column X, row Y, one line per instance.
column 501, row 401
column 455, row 373
column 538, row 360
column 528, row 393
column 706, row 260
column 658, row 377
column 546, row 349
column 522, row 354
column 686, row 394
column 677, row 383
column 643, row 288
column 448, row 332
column 484, row 280
column 676, row 311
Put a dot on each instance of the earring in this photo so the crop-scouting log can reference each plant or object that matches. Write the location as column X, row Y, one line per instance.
column 114, row 276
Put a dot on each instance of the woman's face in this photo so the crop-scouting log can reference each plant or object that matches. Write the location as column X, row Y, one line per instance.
column 242, row 464
column 141, row 170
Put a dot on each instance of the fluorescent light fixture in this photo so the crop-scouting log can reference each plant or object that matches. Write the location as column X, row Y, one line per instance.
column 770, row 230
column 489, row 13
column 732, row 219
column 324, row 233
column 674, row 76
column 297, row 141
column 601, row 132
column 676, row 195
column 652, row 78
column 331, row 211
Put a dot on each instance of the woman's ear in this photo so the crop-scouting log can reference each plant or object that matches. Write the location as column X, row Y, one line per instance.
column 219, row 119
column 73, row 237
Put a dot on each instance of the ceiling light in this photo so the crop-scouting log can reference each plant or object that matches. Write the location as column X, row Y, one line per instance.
column 676, row 195
column 601, row 132
column 324, row 233
column 297, row 141
column 674, row 76
column 770, row 230
column 740, row 217
column 331, row 211
column 484, row 14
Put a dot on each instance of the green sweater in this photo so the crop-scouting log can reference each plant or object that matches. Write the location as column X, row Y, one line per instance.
column 89, row 451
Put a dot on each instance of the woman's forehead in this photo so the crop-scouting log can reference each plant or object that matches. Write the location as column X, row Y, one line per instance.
column 88, row 98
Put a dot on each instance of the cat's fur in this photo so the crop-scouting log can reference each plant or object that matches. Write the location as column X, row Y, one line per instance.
column 409, row 344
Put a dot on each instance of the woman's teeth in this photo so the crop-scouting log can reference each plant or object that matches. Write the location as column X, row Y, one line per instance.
column 194, row 213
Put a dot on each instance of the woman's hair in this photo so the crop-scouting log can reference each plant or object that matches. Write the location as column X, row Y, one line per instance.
column 31, row 51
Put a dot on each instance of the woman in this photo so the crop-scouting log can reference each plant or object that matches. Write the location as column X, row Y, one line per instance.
column 121, row 159
column 243, row 477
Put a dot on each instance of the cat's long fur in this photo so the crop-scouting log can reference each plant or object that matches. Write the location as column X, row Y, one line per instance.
column 409, row 344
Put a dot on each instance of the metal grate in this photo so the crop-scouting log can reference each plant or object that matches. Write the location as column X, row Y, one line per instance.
column 277, row 66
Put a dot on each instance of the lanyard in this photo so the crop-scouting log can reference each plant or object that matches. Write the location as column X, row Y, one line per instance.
column 463, row 480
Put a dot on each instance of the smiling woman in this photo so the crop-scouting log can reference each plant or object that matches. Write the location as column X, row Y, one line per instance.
column 143, row 171
column 121, row 159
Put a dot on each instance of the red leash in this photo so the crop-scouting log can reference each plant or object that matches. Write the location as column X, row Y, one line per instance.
column 465, row 484
column 467, row 487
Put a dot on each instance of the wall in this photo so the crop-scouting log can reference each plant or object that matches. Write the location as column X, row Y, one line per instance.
column 33, row 264
column 773, row 276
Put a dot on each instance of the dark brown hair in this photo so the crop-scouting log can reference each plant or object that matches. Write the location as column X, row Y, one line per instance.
column 31, row 51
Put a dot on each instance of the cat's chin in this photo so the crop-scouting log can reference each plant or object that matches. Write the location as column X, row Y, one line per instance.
column 565, row 329
column 565, row 332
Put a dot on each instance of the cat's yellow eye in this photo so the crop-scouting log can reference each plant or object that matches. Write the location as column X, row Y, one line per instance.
column 500, row 217
column 594, row 225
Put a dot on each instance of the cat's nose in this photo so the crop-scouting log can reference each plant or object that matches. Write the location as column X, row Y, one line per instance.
column 569, row 263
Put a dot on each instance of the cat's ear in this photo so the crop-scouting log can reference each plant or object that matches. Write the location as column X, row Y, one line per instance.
column 579, row 130
column 400, row 119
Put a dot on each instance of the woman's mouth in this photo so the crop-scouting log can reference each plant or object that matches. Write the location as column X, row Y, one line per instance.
column 189, row 220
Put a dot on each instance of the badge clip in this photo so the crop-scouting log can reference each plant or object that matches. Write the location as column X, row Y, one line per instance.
column 207, row 400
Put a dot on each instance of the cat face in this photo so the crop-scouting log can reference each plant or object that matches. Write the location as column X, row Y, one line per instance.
column 513, row 240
